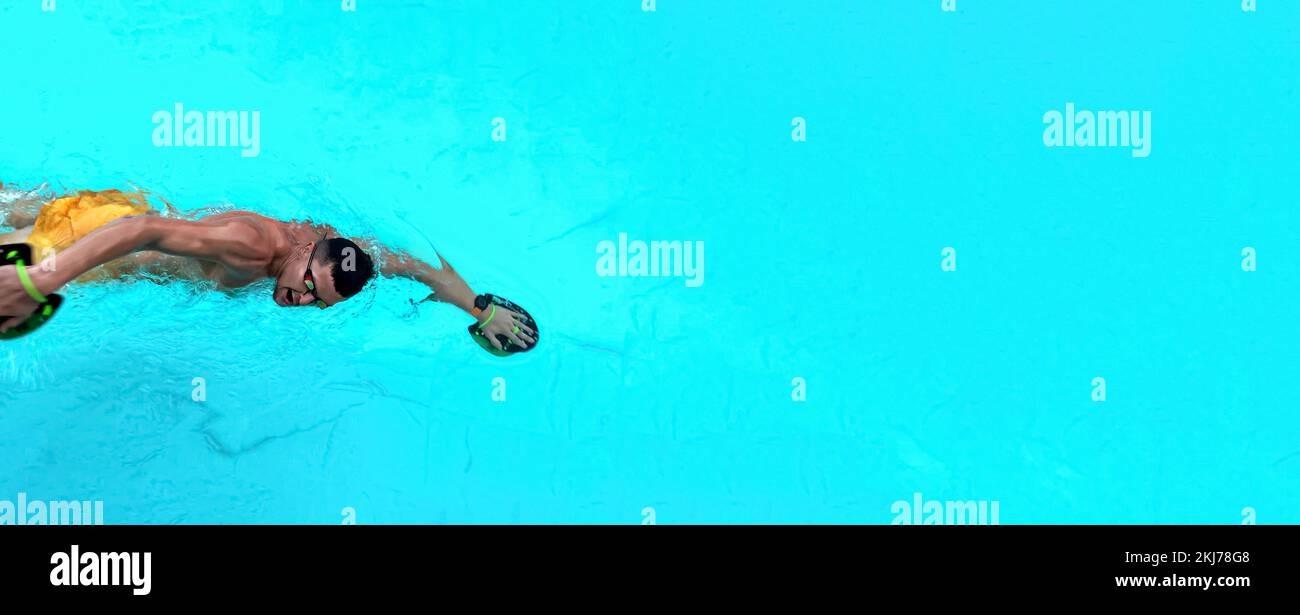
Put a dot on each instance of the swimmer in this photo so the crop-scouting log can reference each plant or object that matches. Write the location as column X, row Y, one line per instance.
column 111, row 234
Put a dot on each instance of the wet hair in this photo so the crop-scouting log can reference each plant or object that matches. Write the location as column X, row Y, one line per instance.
column 351, row 266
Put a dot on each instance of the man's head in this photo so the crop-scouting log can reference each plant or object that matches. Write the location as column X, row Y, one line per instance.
column 328, row 272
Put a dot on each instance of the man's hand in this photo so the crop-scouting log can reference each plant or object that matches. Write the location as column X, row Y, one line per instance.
column 14, row 300
column 510, row 324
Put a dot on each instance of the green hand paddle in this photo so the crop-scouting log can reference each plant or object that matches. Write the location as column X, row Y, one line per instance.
column 19, row 255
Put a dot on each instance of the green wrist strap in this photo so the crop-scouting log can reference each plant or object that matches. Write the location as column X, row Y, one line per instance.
column 27, row 283
column 489, row 318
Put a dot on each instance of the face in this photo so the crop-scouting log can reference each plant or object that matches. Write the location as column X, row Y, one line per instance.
column 306, row 281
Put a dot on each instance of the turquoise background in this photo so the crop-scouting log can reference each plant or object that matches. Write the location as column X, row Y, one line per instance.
column 924, row 130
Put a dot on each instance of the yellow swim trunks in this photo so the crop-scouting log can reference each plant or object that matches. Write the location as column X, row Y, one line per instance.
column 67, row 219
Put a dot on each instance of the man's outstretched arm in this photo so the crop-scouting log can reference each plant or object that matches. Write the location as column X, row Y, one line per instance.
column 445, row 283
column 449, row 287
column 232, row 242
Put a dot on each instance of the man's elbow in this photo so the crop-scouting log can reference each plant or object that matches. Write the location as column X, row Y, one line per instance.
column 143, row 231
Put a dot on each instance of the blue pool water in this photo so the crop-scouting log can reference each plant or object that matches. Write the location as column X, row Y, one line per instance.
column 924, row 131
